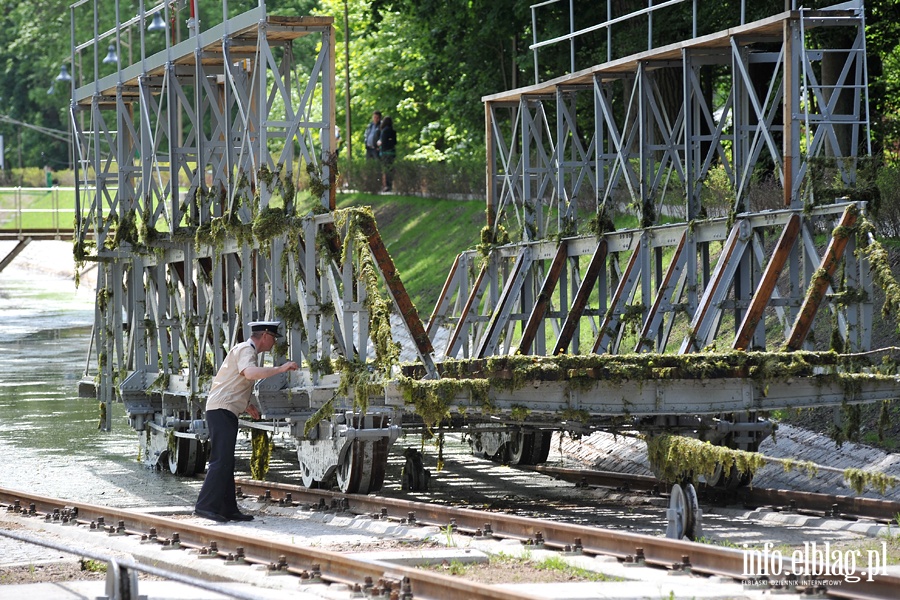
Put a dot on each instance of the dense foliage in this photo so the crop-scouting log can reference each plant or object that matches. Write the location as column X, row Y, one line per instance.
column 427, row 63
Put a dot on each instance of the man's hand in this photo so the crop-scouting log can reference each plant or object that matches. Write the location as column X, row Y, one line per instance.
column 289, row 366
column 252, row 411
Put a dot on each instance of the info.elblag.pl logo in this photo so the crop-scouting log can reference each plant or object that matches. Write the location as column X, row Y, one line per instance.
column 815, row 560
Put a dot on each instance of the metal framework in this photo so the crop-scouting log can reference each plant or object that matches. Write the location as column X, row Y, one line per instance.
column 189, row 161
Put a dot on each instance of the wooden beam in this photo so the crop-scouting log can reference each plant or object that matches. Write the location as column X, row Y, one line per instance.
column 598, row 262
column 407, row 309
column 543, row 300
column 821, row 279
column 767, row 285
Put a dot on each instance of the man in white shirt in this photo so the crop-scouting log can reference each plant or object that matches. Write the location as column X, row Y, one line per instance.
column 228, row 397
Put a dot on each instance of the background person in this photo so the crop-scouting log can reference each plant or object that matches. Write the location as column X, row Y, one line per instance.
column 387, row 145
column 228, row 397
column 371, row 135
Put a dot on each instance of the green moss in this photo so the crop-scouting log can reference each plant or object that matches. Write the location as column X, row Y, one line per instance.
column 519, row 413
column 432, row 398
column 678, row 458
column 356, row 377
column 318, row 186
column 325, row 412
column 491, row 238
column 322, row 366
column 104, row 295
column 291, row 314
column 172, row 443
column 126, row 231
column 261, row 453
column 601, row 224
column 881, row 269
column 859, row 480
column 271, row 223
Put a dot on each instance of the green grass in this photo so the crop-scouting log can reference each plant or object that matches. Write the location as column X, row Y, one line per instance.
column 42, row 208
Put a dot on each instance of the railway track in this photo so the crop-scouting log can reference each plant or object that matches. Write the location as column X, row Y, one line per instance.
column 305, row 562
column 626, row 547
column 808, row 503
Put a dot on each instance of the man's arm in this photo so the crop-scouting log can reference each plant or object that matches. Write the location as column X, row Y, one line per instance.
column 253, row 373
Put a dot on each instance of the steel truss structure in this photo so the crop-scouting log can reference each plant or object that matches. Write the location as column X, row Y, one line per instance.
column 188, row 163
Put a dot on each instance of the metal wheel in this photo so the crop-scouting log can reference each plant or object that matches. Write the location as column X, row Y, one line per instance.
column 306, row 476
column 677, row 518
column 684, row 515
column 518, row 448
column 691, row 512
column 362, row 469
column 184, row 458
column 543, row 440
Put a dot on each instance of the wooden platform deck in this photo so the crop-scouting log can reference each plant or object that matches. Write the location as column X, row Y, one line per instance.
column 768, row 29
column 241, row 33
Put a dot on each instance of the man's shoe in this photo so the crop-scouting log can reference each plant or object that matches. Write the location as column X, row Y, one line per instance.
column 239, row 516
column 212, row 516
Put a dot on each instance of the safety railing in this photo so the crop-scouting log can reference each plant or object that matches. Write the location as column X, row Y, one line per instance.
column 37, row 212
column 109, row 35
column 612, row 19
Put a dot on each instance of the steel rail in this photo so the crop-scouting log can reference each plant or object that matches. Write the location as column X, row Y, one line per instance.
column 658, row 551
column 334, row 566
column 828, row 504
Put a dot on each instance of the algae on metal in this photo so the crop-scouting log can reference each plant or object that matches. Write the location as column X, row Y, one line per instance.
column 261, row 453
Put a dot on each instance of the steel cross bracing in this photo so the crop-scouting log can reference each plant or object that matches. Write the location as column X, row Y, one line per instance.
column 198, row 135
column 183, row 157
column 632, row 290
column 647, row 150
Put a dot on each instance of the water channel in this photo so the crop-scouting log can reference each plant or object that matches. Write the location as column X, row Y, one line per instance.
column 49, row 437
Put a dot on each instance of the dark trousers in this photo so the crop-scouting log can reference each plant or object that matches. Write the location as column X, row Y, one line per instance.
column 371, row 152
column 217, row 493
column 387, row 165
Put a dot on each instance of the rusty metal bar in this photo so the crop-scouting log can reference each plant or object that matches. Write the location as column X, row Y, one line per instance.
column 398, row 292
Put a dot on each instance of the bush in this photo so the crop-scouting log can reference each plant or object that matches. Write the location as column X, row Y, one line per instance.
column 417, row 178
column 887, row 214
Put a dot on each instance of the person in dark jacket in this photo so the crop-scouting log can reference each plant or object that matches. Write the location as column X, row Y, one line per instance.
column 373, row 131
column 387, row 150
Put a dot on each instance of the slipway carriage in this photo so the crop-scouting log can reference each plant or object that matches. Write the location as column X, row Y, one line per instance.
column 189, row 162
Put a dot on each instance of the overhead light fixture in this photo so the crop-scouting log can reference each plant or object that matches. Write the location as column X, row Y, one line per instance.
column 158, row 24
column 64, row 75
column 111, row 56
